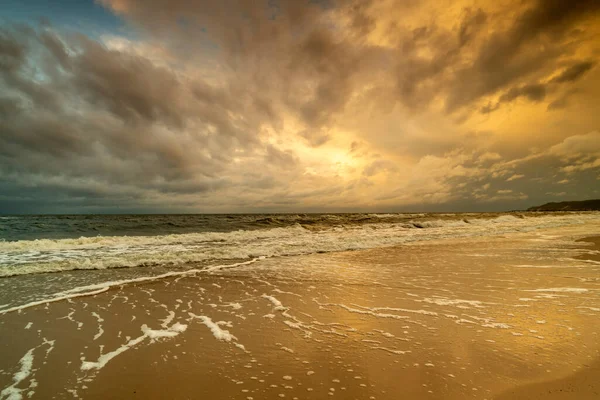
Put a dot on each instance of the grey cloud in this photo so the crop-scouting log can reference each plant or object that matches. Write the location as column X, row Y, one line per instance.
column 537, row 92
column 377, row 166
column 471, row 23
column 321, row 57
column 574, row 72
column 117, row 121
column 555, row 15
column 315, row 137
column 488, row 108
column 127, row 85
column 283, row 159
column 552, row 16
column 9, row 106
column 12, row 53
column 113, row 123
column 420, row 79
column 56, row 47
column 534, row 92
column 508, row 56
column 291, row 55
column 562, row 101
column 293, row 62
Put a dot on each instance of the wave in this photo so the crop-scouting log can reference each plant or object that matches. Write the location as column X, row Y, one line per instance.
column 105, row 252
column 94, row 289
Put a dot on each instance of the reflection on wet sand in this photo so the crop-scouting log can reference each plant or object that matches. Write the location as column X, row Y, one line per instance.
column 581, row 385
column 476, row 318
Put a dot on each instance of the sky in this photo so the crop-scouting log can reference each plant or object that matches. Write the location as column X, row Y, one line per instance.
column 221, row 106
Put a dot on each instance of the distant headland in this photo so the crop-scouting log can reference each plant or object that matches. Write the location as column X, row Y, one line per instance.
column 585, row 205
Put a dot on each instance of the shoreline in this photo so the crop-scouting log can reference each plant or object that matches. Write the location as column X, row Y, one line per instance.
column 450, row 319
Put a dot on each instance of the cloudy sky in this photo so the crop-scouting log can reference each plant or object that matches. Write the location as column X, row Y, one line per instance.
column 297, row 105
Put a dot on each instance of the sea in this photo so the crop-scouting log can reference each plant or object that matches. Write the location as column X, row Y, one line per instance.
column 51, row 254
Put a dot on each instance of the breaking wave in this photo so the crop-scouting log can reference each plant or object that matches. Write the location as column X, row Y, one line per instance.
column 103, row 252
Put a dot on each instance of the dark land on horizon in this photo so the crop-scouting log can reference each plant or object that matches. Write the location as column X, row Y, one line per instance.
column 585, row 205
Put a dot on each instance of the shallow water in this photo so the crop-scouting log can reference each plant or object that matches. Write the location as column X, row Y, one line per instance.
column 213, row 245
column 450, row 318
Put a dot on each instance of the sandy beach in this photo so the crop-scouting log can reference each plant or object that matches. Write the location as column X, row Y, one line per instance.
column 299, row 199
column 503, row 317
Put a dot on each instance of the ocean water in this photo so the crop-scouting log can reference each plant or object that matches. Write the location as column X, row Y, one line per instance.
column 54, row 243
column 50, row 257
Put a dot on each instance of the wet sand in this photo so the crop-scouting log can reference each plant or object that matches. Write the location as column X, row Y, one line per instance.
column 583, row 384
column 505, row 317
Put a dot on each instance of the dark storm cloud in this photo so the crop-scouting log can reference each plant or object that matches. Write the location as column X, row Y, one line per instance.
column 72, row 109
column 470, row 25
column 510, row 55
column 290, row 57
column 331, row 65
column 196, row 104
column 574, row 72
column 283, row 159
column 534, row 92
column 290, row 53
column 562, row 101
column 12, row 53
column 421, row 79
column 554, row 15
column 302, row 63
column 537, row 92
column 128, row 86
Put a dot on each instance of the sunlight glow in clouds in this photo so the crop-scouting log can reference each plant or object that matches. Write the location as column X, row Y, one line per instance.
column 236, row 106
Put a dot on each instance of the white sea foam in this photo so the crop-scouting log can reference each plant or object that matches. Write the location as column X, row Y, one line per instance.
column 100, row 329
column 464, row 321
column 91, row 290
column 442, row 301
column 218, row 333
column 276, row 303
column 168, row 319
column 47, row 255
column 422, row 312
column 105, row 358
column 172, row 331
column 363, row 310
column 496, row 325
column 287, row 349
column 544, row 266
column 386, row 334
column 52, row 300
column 12, row 392
column 152, row 334
column 590, row 308
column 560, row 290
column 393, row 351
